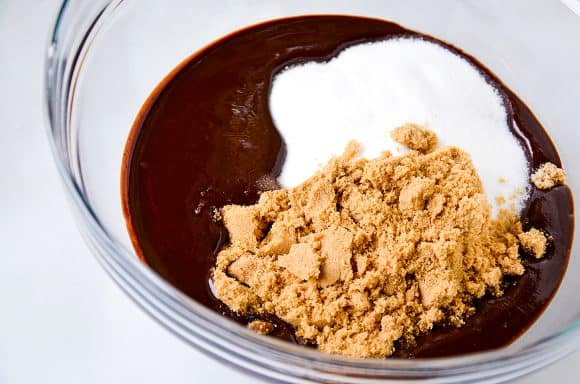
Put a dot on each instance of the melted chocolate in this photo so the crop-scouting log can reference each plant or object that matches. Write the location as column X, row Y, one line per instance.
column 205, row 138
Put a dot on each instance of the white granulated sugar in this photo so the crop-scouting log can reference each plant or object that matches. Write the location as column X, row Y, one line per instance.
column 371, row 88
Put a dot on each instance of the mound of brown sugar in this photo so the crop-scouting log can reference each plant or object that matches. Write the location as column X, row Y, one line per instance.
column 368, row 252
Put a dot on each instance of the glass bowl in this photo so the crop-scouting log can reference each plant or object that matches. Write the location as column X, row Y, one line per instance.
column 106, row 56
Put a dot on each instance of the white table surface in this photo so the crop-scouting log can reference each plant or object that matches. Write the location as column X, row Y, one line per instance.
column 62, row 320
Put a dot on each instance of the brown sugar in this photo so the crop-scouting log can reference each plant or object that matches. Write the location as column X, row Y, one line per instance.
column 533, row 242
column 302, row 261
column 261, row 327
column 415, row 137
column 500, row 200
column 548, row 176
column 243, row 225
column 369, row 252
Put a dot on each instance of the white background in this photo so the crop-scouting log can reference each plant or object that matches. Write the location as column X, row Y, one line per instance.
column 62, row 320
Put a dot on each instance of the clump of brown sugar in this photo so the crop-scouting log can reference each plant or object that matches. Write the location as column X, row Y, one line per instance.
column 261, row 327
column 533, row 242
column 548, row 176
column 369, row 252
column 415, row 137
